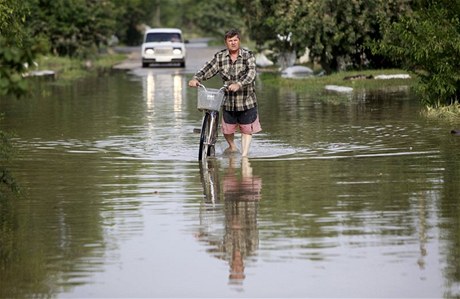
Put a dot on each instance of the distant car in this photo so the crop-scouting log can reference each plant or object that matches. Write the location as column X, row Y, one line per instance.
column 163, row 45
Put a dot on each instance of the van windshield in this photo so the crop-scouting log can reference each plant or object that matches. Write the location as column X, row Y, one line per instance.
column 162, row 37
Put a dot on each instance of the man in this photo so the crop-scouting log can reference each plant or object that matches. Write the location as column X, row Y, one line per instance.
column 237, row 68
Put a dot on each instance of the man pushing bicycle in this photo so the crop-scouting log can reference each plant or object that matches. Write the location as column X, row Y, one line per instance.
column 237, row 68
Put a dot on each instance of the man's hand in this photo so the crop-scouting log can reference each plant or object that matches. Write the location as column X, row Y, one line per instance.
column 234, row 87
column 193, row 83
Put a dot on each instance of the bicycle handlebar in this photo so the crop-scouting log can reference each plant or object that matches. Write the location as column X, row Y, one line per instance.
column 224, row 87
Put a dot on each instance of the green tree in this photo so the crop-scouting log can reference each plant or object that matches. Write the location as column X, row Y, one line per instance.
column 213, row 18
column 206, row 17
column 134, row 16
column 337, row 32
column 16, row 51
column 130, row 16
column 72, row 27
column 16, row 48
column 428, row 42
column 260, row 21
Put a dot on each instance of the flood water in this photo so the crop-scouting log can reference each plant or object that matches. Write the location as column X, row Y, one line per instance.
column 349, row 198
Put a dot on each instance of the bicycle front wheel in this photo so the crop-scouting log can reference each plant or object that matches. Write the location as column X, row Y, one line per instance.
column 204, row 137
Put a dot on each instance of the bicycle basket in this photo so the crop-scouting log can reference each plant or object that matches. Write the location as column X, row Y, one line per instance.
column 210, row 98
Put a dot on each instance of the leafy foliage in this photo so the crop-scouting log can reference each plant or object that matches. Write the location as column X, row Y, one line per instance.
column 12, row 61
column 15, row 51
column 428, row 42
column 72, row 27
column 336, row 32
column 216, row 17
column 130, row 14
column 261, row 22
column 15, row 48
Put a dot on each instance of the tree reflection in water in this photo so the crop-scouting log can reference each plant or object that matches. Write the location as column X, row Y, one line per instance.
column 238, row 194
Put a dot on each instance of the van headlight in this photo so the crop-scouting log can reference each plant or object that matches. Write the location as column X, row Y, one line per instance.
column 149, row 51
column 177, row 51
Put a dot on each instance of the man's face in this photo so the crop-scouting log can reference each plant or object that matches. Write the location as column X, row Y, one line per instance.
column 232, row 43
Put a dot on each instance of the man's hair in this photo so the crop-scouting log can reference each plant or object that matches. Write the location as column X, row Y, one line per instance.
column 231, row 33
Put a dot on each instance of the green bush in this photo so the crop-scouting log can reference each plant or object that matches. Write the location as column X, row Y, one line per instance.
column 13, row 62
column 428, row 43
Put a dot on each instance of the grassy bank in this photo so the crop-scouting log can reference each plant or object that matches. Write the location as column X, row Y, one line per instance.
column 448, row 114
column 360, row 80
column 68, row 69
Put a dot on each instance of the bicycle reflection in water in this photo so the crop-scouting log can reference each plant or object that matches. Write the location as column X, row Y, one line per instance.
column 233, row 235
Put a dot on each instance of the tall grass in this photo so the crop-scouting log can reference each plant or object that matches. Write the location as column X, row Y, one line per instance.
column 68, row 69
column 450, row 114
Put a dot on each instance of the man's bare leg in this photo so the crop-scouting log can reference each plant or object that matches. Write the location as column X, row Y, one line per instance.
column 246, row 169
column 245, row 144
column 231, row 143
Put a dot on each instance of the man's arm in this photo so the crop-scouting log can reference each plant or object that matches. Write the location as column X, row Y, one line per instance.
column 209, row 70
column 250, row 76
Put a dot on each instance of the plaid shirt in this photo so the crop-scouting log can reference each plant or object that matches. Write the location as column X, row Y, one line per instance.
column 242, row 71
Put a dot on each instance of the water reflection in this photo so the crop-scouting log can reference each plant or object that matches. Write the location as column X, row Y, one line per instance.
column 114, row 191
column 238, row 195
column 158, row 87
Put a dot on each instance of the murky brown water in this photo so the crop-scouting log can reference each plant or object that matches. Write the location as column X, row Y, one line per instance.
column 357, row 198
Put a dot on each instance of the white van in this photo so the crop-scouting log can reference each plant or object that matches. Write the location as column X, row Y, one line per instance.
column 163, row 45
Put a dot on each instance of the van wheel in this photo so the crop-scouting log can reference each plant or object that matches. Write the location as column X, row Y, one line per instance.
column 182, row 64
column 145, row 64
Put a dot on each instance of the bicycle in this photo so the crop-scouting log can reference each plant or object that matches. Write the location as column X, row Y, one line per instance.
column 209, row 101
column 209, row 175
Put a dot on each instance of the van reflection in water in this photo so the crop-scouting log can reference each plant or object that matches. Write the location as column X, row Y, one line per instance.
column 238, row 195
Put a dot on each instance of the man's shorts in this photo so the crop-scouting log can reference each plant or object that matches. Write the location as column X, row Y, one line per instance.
column 247, row 121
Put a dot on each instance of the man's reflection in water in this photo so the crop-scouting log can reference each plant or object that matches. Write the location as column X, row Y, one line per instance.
column 241, row 195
